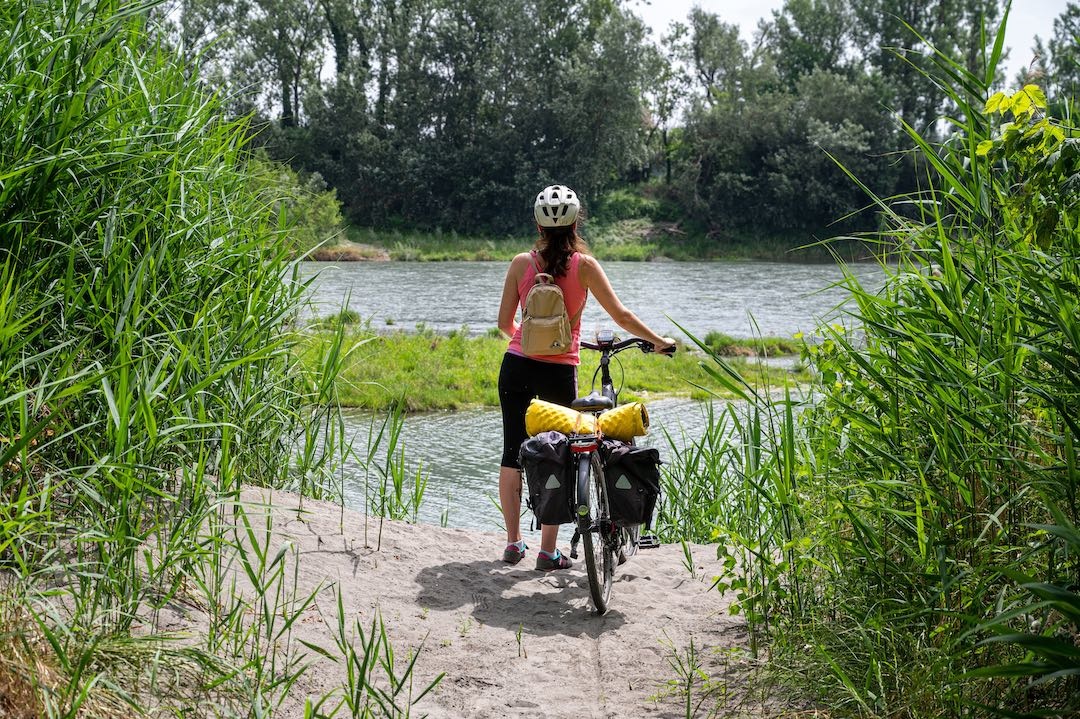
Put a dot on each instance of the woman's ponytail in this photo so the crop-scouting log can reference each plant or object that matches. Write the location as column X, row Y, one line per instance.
column 557, row 245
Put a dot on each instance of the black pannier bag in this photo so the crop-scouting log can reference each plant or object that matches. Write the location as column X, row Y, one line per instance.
column 546, row 461
column 632, row 475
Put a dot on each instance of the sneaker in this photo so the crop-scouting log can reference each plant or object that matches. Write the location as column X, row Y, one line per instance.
column 559, row 561
column 513, row 554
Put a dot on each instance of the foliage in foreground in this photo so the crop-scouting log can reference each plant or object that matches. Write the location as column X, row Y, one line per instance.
column 146, row 371
column 906, row 539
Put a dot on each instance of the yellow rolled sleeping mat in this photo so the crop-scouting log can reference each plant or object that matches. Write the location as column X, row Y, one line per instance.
column 623, row 423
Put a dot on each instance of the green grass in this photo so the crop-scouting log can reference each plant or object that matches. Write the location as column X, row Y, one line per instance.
column 728, row 346
column 426, row 371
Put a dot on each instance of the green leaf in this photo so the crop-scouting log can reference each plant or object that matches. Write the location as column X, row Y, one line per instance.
column 1047, row 648
column 1036, row 95
column 1020, row 103
column 994, row 103
column 984, row 147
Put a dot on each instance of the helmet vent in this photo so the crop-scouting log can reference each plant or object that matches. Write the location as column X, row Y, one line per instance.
column 555, row 206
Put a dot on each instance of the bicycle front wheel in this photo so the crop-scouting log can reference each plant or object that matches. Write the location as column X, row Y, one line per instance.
column 594, row 527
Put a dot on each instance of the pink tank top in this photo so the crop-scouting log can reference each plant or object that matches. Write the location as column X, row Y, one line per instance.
column 574, row 295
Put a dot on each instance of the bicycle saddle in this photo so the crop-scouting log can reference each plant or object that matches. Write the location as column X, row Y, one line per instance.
column 592, row 402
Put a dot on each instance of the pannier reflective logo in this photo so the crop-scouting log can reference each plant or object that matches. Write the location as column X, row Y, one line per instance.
column 552, row 482
column 623, row 483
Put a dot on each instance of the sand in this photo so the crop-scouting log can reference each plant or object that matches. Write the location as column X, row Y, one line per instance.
column 512, row 641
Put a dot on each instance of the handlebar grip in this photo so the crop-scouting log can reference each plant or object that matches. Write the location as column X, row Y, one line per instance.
column 647, row 347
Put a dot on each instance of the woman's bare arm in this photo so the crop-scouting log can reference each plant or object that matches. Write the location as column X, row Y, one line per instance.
column 508, row 306
column 596, row 281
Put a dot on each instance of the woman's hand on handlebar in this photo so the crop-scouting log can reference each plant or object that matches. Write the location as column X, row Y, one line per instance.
column 666, row 347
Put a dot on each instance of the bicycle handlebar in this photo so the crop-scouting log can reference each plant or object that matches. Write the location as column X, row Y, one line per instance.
column 616, row 347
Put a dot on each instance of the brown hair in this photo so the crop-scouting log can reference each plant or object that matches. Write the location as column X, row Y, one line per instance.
column 556, row 245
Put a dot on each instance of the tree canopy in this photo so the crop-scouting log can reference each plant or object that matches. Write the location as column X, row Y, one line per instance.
column 452, row 113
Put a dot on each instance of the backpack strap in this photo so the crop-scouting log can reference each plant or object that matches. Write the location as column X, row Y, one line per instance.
column 540, row 274
column 577, row 315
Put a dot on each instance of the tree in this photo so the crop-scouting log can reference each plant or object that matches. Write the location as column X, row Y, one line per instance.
column 1060, row 59
column 267, row 53
column 905, row 34
column 714, row 53
column 287, row 38
column 808, row 35
column 465, row 103
column 666, row 88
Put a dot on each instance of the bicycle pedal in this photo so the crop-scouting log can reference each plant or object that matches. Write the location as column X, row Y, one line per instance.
column 648, row 541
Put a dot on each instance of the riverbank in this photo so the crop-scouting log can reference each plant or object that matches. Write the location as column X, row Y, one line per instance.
column 637, row 239
column 508, row 641
column 425, row 370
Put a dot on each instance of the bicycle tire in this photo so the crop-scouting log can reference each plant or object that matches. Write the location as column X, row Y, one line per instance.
column 628, row 542
column 599, row 550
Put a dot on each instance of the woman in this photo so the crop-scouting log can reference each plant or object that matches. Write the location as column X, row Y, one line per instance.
column 562, row 253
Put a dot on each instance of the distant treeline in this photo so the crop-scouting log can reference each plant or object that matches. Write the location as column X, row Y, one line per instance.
column 452, row 113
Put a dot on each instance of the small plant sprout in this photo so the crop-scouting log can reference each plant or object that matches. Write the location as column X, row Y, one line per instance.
column 519, row 635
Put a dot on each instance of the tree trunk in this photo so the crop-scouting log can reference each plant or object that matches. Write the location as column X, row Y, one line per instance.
column 667, row 156
column 288, row 112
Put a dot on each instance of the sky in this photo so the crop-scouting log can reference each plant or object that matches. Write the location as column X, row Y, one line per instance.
column 1027, row 19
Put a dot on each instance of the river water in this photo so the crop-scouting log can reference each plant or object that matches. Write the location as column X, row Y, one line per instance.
column 459, row 451
column 728, row 297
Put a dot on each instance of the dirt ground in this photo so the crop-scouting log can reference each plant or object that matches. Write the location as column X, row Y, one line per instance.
column 511, row 640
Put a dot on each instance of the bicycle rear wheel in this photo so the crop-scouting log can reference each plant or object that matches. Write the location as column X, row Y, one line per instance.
column 594, row 528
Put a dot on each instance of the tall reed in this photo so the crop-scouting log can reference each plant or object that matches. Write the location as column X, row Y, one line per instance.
column 147, row 371
column 909, row 543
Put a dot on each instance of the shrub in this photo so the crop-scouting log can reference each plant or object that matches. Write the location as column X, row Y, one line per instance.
column 309, row 210
column 623, row 204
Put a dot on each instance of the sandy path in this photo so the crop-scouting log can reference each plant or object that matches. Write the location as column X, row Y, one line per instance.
column 513, row 642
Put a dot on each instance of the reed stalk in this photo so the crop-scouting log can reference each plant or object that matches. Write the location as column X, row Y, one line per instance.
column 903, row 535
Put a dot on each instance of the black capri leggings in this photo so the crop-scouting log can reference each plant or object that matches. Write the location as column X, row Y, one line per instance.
column 521, row 379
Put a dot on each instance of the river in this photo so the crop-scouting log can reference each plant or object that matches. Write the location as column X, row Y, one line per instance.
column 459, row 451
column 728, row 297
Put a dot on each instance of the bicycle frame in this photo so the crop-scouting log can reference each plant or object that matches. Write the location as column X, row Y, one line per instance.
column 585, row 445
column 612, row 543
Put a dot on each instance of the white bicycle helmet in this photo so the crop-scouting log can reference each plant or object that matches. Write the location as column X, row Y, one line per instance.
column 556, row 206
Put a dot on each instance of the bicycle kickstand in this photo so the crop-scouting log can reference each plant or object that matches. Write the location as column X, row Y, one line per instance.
column 574, row 543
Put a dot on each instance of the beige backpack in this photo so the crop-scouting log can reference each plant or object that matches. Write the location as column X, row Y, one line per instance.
column 545, row 326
